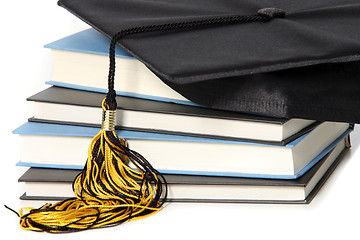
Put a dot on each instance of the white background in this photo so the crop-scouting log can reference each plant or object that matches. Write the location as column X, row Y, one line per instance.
column 25, row 65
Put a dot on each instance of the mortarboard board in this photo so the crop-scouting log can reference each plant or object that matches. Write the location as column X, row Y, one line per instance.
column 301, row 65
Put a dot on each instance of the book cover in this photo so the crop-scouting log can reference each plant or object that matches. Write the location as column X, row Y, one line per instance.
column 55, row 184
column 69, row 106
column 80, row 61
column 182, row 154
column 87, row 41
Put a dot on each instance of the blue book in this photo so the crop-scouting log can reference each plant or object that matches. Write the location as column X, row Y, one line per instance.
column 65, row 146
column 80, row 61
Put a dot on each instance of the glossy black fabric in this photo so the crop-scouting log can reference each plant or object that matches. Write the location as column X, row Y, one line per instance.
column 305, row 65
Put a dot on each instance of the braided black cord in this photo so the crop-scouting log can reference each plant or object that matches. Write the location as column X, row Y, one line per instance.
column 111, row 102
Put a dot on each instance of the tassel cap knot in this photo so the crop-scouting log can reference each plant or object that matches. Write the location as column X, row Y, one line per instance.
column 108, row 120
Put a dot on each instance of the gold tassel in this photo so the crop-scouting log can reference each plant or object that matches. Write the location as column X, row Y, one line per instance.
column 108, row 191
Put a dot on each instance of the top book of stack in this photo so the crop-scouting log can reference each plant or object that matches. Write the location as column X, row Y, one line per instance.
column 81, row 61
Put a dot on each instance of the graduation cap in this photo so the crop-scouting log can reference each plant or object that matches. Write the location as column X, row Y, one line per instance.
column 301, row 63
column 290, row 59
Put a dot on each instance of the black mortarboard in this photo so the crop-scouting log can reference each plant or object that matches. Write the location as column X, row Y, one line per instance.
column 301, row 65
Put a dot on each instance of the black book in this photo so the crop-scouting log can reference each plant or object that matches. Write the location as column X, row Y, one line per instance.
column 75, row 107
column 56, row 184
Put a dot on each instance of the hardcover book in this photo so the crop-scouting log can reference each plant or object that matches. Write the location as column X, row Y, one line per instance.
column 56, row 184
column 81, row 60
column 62, row 146
column 69, row 106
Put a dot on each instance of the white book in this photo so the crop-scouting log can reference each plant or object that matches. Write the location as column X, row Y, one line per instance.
column 69, row 106
column 81, row 61
column 65, row 146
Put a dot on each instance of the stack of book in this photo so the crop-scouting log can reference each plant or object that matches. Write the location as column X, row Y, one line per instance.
column 206, row 155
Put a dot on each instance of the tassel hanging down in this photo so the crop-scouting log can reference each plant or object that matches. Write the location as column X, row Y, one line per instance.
column 108, row 191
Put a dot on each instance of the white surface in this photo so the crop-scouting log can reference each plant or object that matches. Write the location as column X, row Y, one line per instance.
column 25, row 66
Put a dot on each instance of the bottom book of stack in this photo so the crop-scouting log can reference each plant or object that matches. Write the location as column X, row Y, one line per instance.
column 56, row 184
